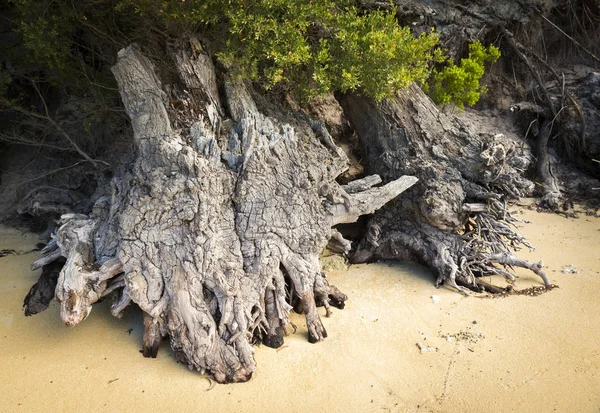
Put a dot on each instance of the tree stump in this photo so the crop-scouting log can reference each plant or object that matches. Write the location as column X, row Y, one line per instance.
column 216, row 229
column 455, row 219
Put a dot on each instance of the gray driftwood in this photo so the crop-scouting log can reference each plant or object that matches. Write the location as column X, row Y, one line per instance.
column 455, row 219
column 216, row 230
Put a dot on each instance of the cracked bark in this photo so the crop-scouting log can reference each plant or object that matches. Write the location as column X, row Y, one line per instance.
column 454, row 220
column 216, row 229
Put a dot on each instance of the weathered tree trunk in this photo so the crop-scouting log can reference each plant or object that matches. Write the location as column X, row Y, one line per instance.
column 454, row 219
column 217, row 220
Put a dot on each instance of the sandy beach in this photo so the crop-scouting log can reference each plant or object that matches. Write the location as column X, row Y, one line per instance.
column 511, row 354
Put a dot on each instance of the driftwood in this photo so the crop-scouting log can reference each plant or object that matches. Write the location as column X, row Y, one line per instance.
column 216, row 230
column 454, row 219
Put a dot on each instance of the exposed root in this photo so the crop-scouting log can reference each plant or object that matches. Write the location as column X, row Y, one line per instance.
column 510, row 290
column 551, row 193
column 120, row 304
column 490, row 239
column 316, row 330
column 152, row 336
column 42, row 292
column 327, row 295
column 511, row 260
column 459, row 260
column 82, row 281
column 56, row 254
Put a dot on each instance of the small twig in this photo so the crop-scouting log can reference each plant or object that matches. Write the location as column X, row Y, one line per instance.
column 61, row 130
column 281, row 348
column 18, row 140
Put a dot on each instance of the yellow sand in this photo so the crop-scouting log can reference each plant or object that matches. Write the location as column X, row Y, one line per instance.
column 523, row 354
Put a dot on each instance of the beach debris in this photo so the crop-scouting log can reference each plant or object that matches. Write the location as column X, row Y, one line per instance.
column 281, row 348
column 435, row 299
column 466, row 335
column 569, row 269
column 426, row 349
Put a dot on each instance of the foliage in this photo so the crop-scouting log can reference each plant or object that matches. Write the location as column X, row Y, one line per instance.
column 308, row 47
column 70, row 43
column 314, row 45
column 43, row 33
column 461, row 84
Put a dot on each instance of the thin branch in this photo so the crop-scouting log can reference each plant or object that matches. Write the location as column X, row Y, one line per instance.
column 46, row 117
column 50, row 173
column 572, row 39
column 18, row 140
column 520, row 51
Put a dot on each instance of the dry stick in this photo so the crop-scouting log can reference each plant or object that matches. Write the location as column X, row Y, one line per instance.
column 571, row 39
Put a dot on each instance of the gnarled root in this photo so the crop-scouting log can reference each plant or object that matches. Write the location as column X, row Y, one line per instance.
column 42, row 292
column 551, row 193
column 82, row 281
column 316, row 330
column 458, row 259
column 152, row 336
column 327, row 295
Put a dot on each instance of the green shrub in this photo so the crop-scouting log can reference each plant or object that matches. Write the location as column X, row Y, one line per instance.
column 311, row 46
column 460, row 85
column 307, row 47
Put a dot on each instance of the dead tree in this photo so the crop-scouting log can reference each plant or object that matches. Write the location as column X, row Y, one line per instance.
column 455, row 219
column 216, row 229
